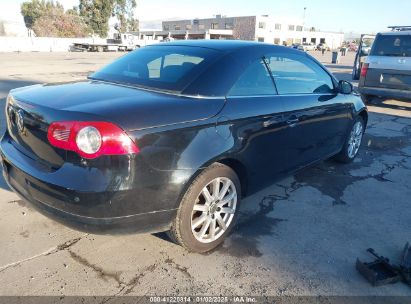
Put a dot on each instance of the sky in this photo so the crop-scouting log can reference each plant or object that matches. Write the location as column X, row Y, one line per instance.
column 358, row 16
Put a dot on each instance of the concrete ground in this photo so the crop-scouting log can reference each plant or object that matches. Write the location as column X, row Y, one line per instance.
column 300, row 236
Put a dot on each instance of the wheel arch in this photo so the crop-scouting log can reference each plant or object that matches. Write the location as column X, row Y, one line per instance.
column 240, row 169
column 364, row 115
column 236, row 165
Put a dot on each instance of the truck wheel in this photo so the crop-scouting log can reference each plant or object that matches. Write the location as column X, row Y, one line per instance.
column 208, row 210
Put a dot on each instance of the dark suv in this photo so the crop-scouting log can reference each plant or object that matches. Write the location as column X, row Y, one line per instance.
column 387, row 70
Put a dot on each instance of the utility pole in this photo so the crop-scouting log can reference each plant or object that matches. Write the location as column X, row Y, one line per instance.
column 305, row 9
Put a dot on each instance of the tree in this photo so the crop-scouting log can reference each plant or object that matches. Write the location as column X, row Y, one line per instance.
column 124, row 11
column 34, row 9
column 57, row 23
column 97, row 13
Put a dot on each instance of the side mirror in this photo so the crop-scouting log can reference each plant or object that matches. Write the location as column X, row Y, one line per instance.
column 345, row 87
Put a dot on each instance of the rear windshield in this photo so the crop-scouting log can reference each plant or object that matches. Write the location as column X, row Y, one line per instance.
column 392, row 45
column 168, row 68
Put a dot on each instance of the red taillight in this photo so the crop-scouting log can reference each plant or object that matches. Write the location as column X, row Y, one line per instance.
column 114, row 141
column 364, row 69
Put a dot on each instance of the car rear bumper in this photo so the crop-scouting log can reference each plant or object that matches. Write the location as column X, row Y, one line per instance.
column 140, row 207
column 392, row 93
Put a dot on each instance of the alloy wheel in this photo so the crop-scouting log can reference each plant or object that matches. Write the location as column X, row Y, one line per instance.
column 355, row 139
column 214, row 210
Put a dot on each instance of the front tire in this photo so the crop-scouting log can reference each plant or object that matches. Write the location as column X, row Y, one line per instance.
column 353, row 142
column 208, row 210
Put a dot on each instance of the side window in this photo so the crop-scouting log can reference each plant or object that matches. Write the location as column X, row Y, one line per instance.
column 294, row 74
column 154, row 68
column 254, row 81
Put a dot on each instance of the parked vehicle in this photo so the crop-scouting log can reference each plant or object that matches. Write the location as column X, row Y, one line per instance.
column 172, row 136
column 387, row 70
column 300, row 47
column 363, row 51
column 309, row 47
column 119, row 42
column 352, row 47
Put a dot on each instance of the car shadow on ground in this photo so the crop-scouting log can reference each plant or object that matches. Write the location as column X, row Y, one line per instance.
column 404, row 105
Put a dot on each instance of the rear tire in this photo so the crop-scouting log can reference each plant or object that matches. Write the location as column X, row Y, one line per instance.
column 353, row 142
column 205, row 216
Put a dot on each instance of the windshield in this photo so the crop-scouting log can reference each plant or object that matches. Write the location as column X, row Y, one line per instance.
column 169, row 68
column 392, row 45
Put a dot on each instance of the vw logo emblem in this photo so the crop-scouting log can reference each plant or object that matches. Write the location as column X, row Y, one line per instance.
column 20, row 121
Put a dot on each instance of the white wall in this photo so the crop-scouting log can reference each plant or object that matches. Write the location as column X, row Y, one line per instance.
column 41, row 44
column 47, row 44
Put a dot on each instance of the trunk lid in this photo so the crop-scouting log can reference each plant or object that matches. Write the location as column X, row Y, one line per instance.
column 35, row 107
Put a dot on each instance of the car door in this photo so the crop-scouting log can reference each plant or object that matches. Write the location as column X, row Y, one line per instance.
column 255, row 113
column 317, row 116
column 364, row 48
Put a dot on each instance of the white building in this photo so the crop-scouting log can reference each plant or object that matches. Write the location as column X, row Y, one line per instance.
column 287, row 31
column 276, row 30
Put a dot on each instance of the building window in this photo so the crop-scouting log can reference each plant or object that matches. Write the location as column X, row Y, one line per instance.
column 261, row 25
column 195, row 21
column 201, row 26
column 291, row 27
column 188, row 27
column 277, row 40
column 214, row 26
column 278, row 26
column 229, row 26
column 260, row 39
column 166, row 27
column 177, row 27
column 299, row 28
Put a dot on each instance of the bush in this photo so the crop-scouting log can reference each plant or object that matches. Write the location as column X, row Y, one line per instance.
column 57, row 23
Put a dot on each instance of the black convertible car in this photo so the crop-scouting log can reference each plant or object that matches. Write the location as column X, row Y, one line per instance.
column 170, row 137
